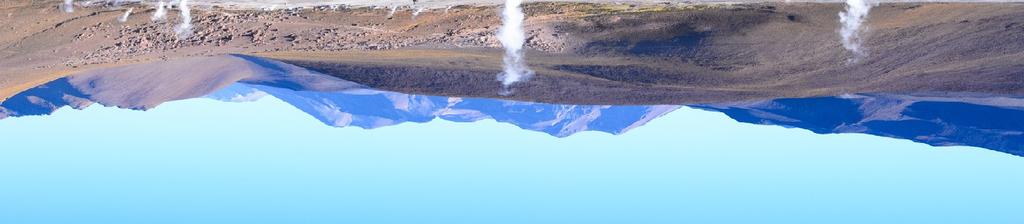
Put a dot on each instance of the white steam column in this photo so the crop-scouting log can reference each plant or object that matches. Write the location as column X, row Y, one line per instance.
column 124, row 18
column 392, row 12
column 513, row 39
column 185, row 28
column 161, row 11
column 68, row 6
column 852, row 20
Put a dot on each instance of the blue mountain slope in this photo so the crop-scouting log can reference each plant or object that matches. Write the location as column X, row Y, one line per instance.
column 995, row 123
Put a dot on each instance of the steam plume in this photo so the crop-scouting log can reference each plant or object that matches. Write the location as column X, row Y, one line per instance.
column 417, row 12
column 852, row 20
column 185, row 28
column 124, row 18
column 161, row 11
column 513, row 38
column 392, row 12
column 68, row 6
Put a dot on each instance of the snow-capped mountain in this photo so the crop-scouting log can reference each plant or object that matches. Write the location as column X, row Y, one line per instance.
column 370, row 109
column 335, row 102
column 984, row 121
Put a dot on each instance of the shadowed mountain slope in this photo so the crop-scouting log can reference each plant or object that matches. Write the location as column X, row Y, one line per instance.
column 989, row 122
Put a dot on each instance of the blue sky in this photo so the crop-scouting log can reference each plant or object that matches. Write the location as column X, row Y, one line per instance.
column 205, row 161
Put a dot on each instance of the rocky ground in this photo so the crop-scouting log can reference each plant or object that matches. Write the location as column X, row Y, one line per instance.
column 595, row 53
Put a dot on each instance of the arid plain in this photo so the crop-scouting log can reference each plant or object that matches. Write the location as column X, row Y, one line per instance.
column 583, row 53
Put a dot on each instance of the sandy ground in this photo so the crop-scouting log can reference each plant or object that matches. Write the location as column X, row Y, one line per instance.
column 437, row 4
column 672, row 52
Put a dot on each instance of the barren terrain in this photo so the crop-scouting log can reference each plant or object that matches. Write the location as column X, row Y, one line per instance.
column 583, row 52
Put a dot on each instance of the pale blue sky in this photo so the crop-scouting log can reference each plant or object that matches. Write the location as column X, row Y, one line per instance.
column 205, row 161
